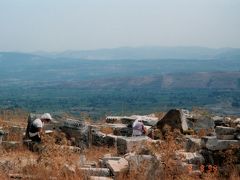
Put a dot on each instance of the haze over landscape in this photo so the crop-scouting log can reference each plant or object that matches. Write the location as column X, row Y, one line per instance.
column 116, row 57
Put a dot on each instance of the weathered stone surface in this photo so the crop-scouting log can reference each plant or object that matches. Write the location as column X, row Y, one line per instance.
column 122, row 131
column 117, row 166
column 175, row 118
column 212, row 143
column 98, row 138
column 192, row 144
column 151, row 164
column 96, row 171
column 190, row 158
column 237, row 121
column 226, row 137
column 221, row 130
column 100, row 178
column 128, row 144
column 185, row 121
column 209, row 142
column 105, row 159
column 111, row 140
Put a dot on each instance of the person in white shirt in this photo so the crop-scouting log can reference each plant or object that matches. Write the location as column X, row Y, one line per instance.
column 36, row 127
column 138, row 128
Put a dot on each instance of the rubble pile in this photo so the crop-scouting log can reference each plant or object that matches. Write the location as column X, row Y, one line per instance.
column 135, row 154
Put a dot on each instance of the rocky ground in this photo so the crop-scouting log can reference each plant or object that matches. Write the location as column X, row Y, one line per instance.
column 178, row 145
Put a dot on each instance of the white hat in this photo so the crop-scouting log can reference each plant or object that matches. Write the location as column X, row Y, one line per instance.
column 46, row 116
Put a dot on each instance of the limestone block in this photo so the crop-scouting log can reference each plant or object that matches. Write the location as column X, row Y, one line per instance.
column 111, row 140
column 221, row 130
column 122, row 131
column 100, row 178
column 128, row 144
column 190, row 158
column 98, row 138
column 226, row 137
column 151, row 164
column 212, row 143
column 96, row 171
column 209, row 142
column 105, row 159
column 117, row 166
column 192, row 144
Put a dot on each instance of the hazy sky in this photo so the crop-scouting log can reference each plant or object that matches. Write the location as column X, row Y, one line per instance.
column 58, row 25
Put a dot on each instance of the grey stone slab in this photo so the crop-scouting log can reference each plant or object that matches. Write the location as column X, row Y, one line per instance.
column 226, row 137
column 192, row 144
column 221, row 130
column 96, row 171
column 212, row 143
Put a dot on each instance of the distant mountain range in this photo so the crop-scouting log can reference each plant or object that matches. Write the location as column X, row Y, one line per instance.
column 126, row 53
column 140, row 80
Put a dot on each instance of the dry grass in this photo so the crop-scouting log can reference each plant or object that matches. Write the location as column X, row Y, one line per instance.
column 94, row 153
column 15, row 117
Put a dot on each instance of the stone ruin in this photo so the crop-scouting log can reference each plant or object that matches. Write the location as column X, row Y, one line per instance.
column 221, row 133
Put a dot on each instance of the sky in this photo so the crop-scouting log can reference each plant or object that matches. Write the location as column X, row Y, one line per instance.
column 60, row 25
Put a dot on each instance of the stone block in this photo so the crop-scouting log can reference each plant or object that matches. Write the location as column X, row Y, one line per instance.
column 105, row 159
column 212, row 143
column 100, row 178
column 96, row 171
column 190, row 158
column 226, row 137
column 151, row 164
column 117, row 166
column 98, row 138
column 221, row 130
column 128, row 144
column 192, row 144
column 209, row 142
column 111, row 140
column 122, row 131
